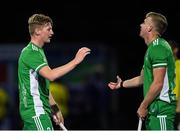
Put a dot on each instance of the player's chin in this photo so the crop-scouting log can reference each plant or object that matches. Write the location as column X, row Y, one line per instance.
column 48, row 40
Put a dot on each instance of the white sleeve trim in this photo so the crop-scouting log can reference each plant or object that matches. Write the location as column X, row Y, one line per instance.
column 160, row 64
column 40, row 66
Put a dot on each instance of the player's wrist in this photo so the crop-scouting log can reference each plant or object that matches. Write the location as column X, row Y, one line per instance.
column 75, row 62
column 121, row 84
column 54, row 109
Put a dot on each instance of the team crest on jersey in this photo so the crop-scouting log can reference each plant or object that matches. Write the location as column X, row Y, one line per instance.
column 34, row 48
column 156, row 42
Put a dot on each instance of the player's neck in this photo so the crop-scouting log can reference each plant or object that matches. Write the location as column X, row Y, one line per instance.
column 37, row 42
column 151, row 38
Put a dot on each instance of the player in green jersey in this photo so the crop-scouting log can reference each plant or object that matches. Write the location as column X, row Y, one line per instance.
column 157, row 76
column 36, row 102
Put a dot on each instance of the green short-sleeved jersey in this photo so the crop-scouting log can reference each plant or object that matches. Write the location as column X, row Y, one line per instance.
column 33, row 88
column 159, row 54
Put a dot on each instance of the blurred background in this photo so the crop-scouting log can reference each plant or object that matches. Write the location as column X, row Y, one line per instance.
column 111, row 30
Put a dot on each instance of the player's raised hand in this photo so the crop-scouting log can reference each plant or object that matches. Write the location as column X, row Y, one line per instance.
column 115, row 85
column 80, row 55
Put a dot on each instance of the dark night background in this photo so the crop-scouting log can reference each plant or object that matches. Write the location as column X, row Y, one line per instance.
column 111, row 30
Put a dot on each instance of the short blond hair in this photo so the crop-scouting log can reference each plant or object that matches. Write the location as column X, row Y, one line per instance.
column 159, row 20
column 37, row 20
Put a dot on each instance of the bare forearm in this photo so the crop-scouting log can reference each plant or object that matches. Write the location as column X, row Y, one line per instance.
column 154, row 90
column 53, row 74
column 134, row 82
column 56, row 112
column 51, row 99
column 62, row 70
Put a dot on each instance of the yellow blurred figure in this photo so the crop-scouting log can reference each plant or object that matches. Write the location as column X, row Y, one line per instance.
column 3, row 103
column 175, row 48
column 61, row 95
column 177, row 88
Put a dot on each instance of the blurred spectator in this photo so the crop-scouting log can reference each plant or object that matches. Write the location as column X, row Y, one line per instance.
column 175, row 48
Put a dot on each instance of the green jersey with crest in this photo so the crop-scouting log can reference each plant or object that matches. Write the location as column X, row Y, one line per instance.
column 159, row 54
column 33, row 88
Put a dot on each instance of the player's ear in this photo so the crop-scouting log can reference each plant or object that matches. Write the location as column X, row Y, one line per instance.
column 37, row 31
column 150, row 28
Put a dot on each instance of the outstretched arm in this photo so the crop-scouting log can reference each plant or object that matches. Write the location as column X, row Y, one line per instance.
column 52, row 74
column 134, row 82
